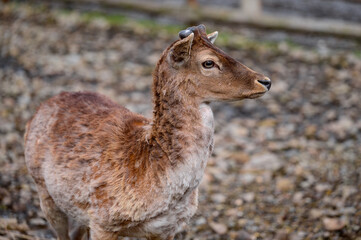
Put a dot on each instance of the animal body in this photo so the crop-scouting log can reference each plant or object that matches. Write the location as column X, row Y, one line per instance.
column 116, row 173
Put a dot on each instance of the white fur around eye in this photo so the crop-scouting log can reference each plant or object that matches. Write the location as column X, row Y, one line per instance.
column 207, row 55
column 214, row 71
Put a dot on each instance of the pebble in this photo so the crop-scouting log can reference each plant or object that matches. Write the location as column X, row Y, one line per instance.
column 282, row 235
column 234, row 212
column 249, row 197
column 218, row 198
column 263, row 162
column 219, row 228
column 243, row 235
column 201, row 221
column 247, row 178
column 298, row 235
column 348, row 210
column 322, row 187
column 347, row 191
column 334, row 224
column 284, row 184
column 238, row 202
column 298, row 198
column 240, row 157
column 316, row 213
column 12, row 224
column 40, row 222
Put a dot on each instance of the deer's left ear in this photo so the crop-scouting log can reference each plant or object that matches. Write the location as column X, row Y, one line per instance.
column 181, row 51
column 212, row 36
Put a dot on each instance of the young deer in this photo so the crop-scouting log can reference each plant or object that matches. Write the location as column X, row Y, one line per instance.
column 117, row 173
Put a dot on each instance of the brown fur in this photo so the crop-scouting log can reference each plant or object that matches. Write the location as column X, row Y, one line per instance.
column 119, row 174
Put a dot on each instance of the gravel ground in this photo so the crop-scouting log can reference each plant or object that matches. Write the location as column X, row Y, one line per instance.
column 286, row 166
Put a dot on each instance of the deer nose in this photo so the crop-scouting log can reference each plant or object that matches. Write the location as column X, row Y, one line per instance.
column 266, row 82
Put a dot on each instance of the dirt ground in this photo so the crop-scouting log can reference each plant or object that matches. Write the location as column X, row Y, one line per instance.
column 286, row 166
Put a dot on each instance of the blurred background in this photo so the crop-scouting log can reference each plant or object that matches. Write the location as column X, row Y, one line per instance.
column 286, row 166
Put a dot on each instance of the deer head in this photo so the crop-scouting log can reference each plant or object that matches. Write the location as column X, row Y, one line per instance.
column 211, row 74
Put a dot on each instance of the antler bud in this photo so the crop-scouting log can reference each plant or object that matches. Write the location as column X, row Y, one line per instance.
column 184, row 33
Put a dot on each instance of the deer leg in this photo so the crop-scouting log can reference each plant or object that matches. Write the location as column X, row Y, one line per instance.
column 79, row 232
column 57, row 219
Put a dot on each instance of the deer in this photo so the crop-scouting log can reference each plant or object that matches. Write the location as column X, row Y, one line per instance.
column 114, row 173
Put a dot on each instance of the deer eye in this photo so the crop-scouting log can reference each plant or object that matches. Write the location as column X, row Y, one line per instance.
column 208, row 64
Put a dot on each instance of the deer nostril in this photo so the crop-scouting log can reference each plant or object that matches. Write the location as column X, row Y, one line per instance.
column 265, row 82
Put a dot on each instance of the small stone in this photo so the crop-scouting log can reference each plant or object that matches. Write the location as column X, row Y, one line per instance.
column 5, row 197
column 5, row 223
column 348, row 191
column 269, row 122
column 298, row 197
column 242, row 222
column 298, row 236
column 311, row 131
column 238, row 202
column 284, row 184
column 266, row 161
column 12, row 224
column 299, row 171
column 248, row 197
column 216, row 213
column 219, row 228
column 348, row 210
column 218, row 198
column 240, row 157
column 282, row 235
column 234, row 212
column 247, row 178
column 334, row 224
column 243, row 235
column 322, row 187
column 6, row 201
column 316, row 213
column 201, row 221
column 38, row 222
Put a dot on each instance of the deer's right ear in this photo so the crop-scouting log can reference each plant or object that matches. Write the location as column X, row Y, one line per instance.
column 212, row 36
column 181, row 51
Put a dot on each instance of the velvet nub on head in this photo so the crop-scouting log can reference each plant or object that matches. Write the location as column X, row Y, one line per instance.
column 185, row 33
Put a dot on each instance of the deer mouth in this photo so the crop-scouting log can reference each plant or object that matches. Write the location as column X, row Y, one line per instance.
column 256, row 95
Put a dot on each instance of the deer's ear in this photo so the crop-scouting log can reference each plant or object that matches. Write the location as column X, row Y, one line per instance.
column 212, row 36
column 181, row 51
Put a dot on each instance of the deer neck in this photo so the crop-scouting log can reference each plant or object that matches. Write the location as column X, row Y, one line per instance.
column 182, row 125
